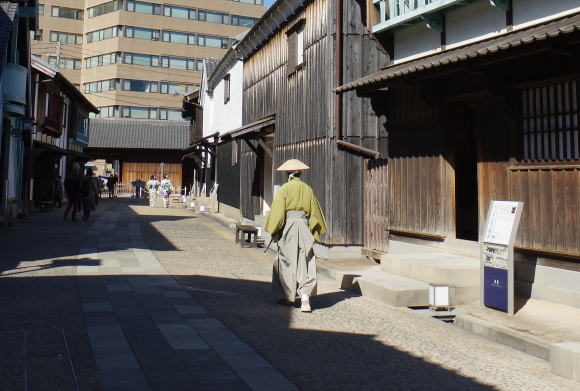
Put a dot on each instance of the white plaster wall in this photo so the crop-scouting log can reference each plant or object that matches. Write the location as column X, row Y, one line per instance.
column 474, row 22
column 228, row 116
column 415, row 41
column 528, row 12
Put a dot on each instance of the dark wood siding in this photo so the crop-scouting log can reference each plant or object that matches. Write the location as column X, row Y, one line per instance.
column 228, row 176
column 303, row 103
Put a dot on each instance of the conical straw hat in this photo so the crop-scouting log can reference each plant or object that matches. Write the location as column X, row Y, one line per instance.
column 293, row 165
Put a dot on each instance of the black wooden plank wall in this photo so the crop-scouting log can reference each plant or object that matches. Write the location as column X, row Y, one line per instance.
column 228, row 176
column 304, row 107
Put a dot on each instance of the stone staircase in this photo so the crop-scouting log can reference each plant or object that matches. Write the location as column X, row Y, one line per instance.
column 402, row 279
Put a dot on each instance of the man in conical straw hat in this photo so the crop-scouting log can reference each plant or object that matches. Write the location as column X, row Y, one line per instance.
column 295, row 222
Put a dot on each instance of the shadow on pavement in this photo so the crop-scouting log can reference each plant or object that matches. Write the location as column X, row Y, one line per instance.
column 44, row 342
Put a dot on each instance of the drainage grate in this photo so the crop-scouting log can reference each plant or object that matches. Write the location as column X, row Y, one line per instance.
column 446, row 315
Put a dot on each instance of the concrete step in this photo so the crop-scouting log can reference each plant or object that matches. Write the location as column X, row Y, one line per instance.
column 431, row 265
column 369, row 281
column 504, row 335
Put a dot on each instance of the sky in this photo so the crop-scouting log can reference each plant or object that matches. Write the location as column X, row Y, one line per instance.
column 268, row 3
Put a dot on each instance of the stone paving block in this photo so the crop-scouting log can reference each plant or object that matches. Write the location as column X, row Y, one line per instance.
column 98, row 319
column 110, row 270
column 103, row 332
column 190, row 309
column 113, row 345
column 206, row 324
column 116, row 360
column 226, row 387
column 267, row 380
column 123, row 380
column 176, row 294
column 119, row 287
column 182, row 336
column 101, row 306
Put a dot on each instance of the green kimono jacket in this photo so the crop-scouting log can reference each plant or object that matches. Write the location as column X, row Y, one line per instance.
column 295, row 195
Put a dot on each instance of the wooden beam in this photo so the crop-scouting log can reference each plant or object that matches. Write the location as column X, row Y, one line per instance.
column 265, row 148
column 251, row 145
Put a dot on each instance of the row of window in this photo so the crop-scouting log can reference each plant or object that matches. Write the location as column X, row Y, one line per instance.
column 65, row 63
column 172, row 11
column 67, row 13
column 144, row 60
column 138, row 112
column 70, row 38
column 139, row 86
column 146, row 34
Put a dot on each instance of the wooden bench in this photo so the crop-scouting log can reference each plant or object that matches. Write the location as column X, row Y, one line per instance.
column 246, row 239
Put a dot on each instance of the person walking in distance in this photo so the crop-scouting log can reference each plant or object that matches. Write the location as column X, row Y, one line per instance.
column 151, row 187
column 295, row 221
column 58, row 191
column 166, row 190
column 111, row 182
column 72, row 188
column 88, row 194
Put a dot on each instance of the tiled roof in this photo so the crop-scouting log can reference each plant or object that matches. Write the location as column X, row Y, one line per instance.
column 517, row 38
column 138, row 134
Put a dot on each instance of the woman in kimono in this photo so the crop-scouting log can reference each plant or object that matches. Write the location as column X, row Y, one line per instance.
column 295, row 221
column 166, row 189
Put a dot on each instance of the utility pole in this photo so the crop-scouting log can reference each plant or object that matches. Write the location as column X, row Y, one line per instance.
column 57, row 54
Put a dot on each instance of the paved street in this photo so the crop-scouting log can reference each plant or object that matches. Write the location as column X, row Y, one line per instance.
column 159, row 299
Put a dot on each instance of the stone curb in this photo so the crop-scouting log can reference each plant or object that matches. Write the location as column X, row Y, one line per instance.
column 504, row 335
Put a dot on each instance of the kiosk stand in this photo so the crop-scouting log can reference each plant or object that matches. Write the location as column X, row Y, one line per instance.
column 497, row 255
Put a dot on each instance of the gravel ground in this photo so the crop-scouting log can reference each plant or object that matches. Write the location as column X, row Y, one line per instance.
column 348, row 342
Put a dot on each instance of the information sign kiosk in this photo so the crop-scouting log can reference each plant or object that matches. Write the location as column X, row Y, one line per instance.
column 497, row 255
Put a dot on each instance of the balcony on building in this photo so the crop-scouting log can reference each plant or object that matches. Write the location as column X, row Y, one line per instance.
column 395, row 14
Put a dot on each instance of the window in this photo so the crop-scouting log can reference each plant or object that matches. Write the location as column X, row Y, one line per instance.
column 214, row 42
column 243, row 21
column 177, row 37
column 140, row 85
column 40, row 9
column 226, row 88
column 170, row 114
column 138, row 112
column 102, row 60
column 141, row 59
column 65, row 63
column 550, row 122
column 101, row 35
column 141, row 33
column 257, row 2
column 178, row 12
column 176, row 88
column 177, row 63
column 235, row 147
column 143, row 7
column 213, row 17
column 105, row 8
column 100, row 86
column 295, row 47
column 106, row 112
column 73, row 39
column 36, row 35
column 68, row 13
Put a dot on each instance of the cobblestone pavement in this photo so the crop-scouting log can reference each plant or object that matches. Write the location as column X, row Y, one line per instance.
column 159, row 299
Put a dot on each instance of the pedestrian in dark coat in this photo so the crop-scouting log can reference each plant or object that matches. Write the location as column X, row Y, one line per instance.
column 72, row 188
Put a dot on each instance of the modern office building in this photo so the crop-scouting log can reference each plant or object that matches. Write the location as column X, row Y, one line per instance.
column 136, row 59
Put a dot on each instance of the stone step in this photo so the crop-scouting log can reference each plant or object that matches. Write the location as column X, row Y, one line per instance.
column 431, row 265
column 369, row 281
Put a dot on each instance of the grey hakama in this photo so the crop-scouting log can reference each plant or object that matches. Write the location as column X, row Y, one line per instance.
column 294, row 271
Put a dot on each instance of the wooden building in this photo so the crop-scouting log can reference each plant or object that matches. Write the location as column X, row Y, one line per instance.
column 494, row 119
column 61, row 113
column 293, row 58
column 143, row 148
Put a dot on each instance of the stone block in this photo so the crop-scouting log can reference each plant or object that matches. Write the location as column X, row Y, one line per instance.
column 565, row 360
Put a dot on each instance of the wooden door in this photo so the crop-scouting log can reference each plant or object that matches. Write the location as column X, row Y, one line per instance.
column 133, row 171
column 376, row 219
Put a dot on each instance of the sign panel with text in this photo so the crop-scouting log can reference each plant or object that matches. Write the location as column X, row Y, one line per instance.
column 497, row 249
